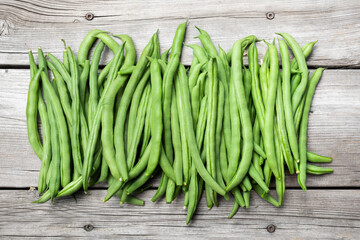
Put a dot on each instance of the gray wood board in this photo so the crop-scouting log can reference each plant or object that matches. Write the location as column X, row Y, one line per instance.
column 29, row 24
column 334, row 129
column 315, row 214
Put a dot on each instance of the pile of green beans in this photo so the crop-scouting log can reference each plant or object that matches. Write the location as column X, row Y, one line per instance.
column 218, row 126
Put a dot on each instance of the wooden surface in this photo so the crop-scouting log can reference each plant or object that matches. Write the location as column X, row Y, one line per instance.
column 328, row 210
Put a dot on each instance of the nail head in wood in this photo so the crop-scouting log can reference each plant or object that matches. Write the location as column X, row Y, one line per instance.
column 271, row 228
column 88, row 227
column 270, row 15
column 89, row 16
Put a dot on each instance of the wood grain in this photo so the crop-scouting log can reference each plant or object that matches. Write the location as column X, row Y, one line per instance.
column 334, row 129
column 316, row 214
column 28, row 24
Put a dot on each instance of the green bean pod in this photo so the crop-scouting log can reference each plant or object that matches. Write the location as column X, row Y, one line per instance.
column 269, row 111
column 176, row 140
column 93, row 81
column 31, row 114
column 156, row 116
column 86, row 44
column 123, row 108
column 138, row 127
column 239, row 90
column 167, row 91
column 315, row 158
column 281, row 122
column 53, row 100
column 300, row 58
column 304, row 126
column 312, row 169
column 134, row 107
column 190, row 133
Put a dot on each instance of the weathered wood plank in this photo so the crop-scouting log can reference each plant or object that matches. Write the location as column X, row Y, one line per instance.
column 316, row 214
column 29, row 24
column 334, row 129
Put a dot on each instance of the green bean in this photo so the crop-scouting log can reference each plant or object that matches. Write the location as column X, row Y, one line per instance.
column 63, row 92
column 147, row 130
column 206, row 42
column 199, row 52
column 263, row 75
column 54, row 170
column 170, row 191
column 279, row 183
column 194, row 62
column 93, row 81
column 104, row 73
column 167, row 91
column 267, row 173
column 190, row 134
column 46, row 157
column 138, row 182
column 156, row 116
column 165, row 165
column 104, row 114
column 194, row 76
column 162, row 187
column 193, row 194
column 312, row 169
column 246, row 41
column 266, row 196
column 247, row 85
column 238, row 197
column 111, row 43
column 123, row 108
column 255, row 86
column 269, row 111
column 239, row 90
column 298, row 114
column 315, row 158
column 256, row 156
column 304, row 125
column 127, row 71
column 200, row 128
column 234, row 154
column 71, row 188
column 176, row 140
column 134, row 201
column 300, row 58
column 66, row 59
column 184, row 142
column 247, row 198
column 164, row 55
column 138, row 127
column 31, row 114
column 83, row 81
column 211, row 118
column 246, row 182
column 53, row 101
column 219, row 128
column 289, row 120
column 46, row 153
column 86, row 45
column 134, row 107
column 178, row 40
column 195, row 103
column 44, row 198
column 75, row 109
column 281, row 122
column 306, row 49
column 234, row 209
column 104, row 171
column 258, row 177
